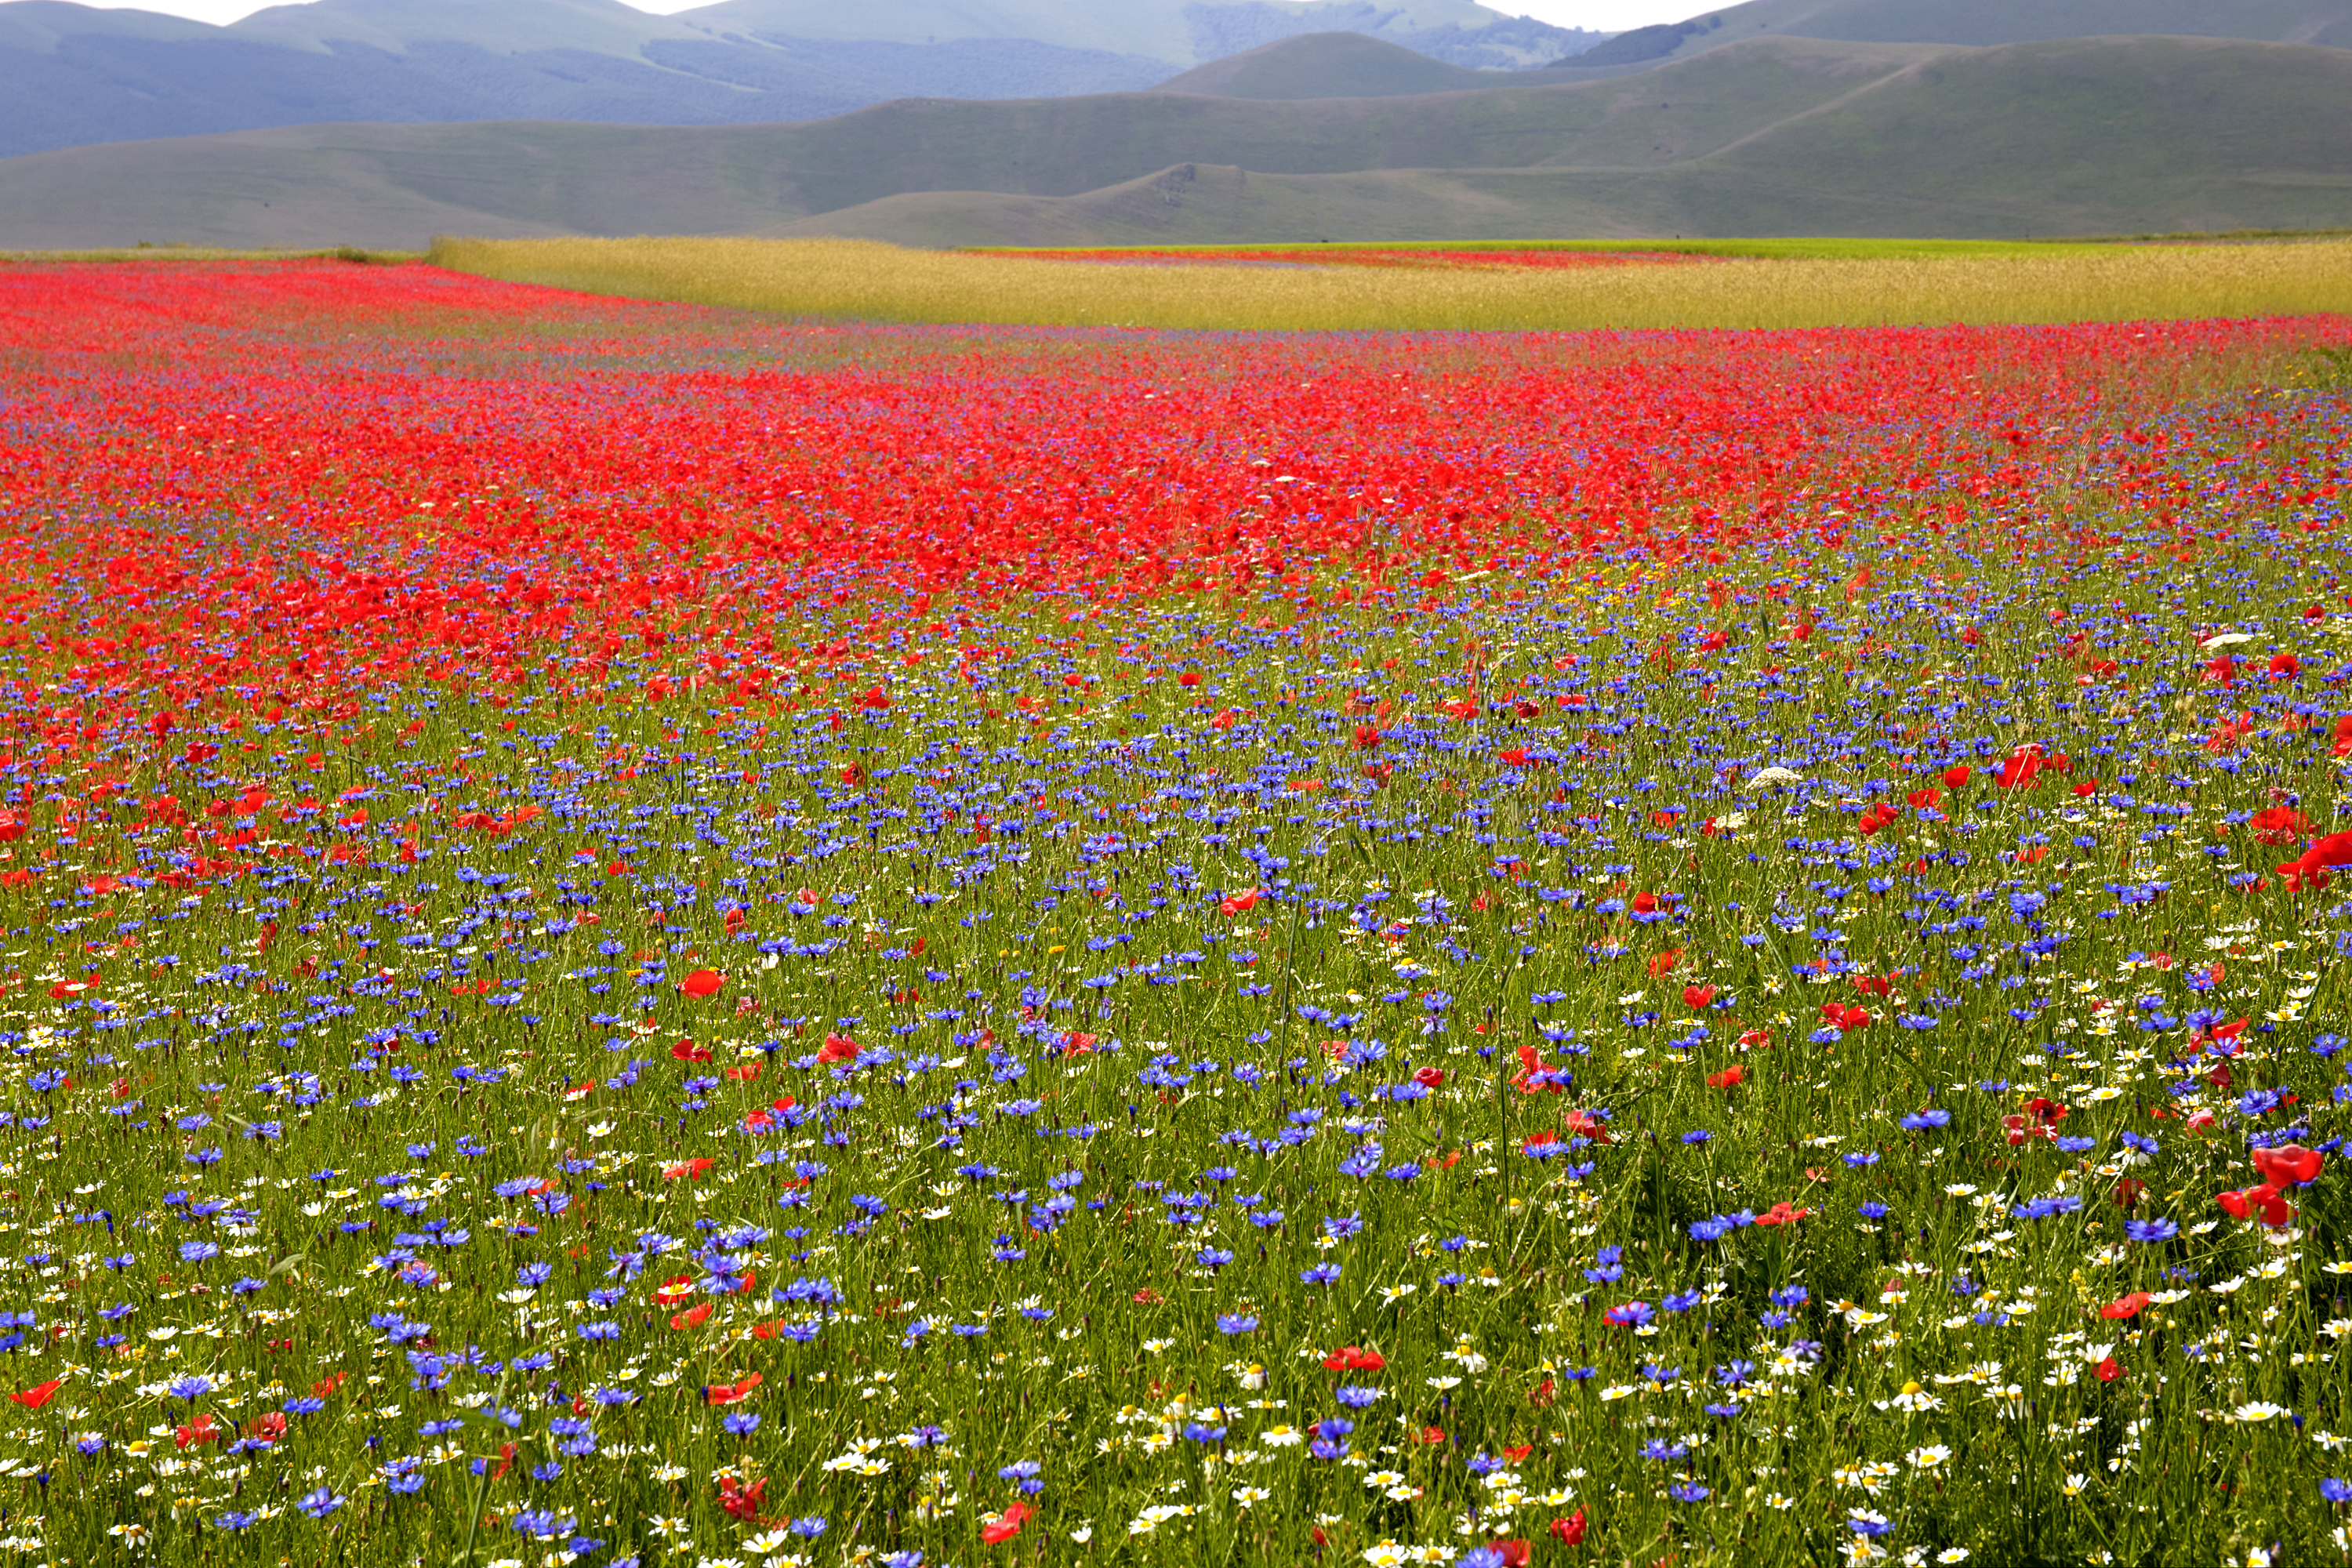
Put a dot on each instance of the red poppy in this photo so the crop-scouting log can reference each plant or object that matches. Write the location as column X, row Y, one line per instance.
column 2310, row 869
column 1956, row 777
column 34, row 1398
column 2109, row 1370
column 1238, row 903
column 687, row 1051
column 2126, row 1306
column 732, row 1393
column 1004, row 1526
column 1354, row 1358
column 1569, row 1532
column 702, row 983
column 1515, row 757
column 1730, row 1078
column 691, row 1170
column 2274, row 1210
column 1526, row 1080
column 1781, row 1214
column 836, row 1048
column 692, row 1318
column 203, row 1429
column 328, row 1384
column 1698, row 996
column 1429, row 1077
column 743, row 1502
column 269, row 1426
column 1584, row 1124
column 2289, row 1165
column 2280, row 825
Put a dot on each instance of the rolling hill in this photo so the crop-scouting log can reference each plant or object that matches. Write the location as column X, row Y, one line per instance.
column 73, row 74
column 1350, row 64
column 1980, row 24
column 1773, row 136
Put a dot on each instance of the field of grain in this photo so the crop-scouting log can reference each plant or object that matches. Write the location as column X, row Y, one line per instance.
column 872, row 281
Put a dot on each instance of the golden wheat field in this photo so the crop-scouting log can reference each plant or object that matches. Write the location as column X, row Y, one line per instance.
column 870, row 280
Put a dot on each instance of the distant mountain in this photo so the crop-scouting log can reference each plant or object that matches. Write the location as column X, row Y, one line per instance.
column 1775, row 135
column 72, row 75
column 1342, row 65
column 1184, row 32
column 1980, row 22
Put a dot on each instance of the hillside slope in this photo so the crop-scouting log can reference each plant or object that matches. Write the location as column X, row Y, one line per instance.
column 1776, row 136
column 2085, row 136
column 1980, row 24
column 583, row 177
column 74, row 75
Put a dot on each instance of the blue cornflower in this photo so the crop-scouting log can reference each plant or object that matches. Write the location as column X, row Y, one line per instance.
column 320, row 1503
column 2158, row 1228
column 1321, row 1274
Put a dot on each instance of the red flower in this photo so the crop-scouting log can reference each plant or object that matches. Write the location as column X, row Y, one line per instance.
column 1569, row 1532
column 1730, row 1078
column 1354, row 1358
column 732, row 1393
column 1698, row 996
column 2289, row 1165
column 269, row 1427
column 691, row 1170
column 34, row 1398
column 744, row 1502
column 1956, row 777
column 687, row 1051
column 1515, row 757
column 1004, row 1526
column 1238, row 903
column 702, row 983
column 1429, row 1077
column 692, row 1318
column 1781, row 1214
column 1531, row 1063
column 2126, row 1306
column 672, row 1291
column 836, row 1048
column 2109, row 1370
column 2274, row 1210
column 2280, row 825
column 203, row 1429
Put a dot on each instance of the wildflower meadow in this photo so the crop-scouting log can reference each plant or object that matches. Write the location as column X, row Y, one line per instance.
column 646, row 935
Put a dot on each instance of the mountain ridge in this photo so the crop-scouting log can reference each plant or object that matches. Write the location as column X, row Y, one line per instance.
column 1776, row 136
column 78, row 75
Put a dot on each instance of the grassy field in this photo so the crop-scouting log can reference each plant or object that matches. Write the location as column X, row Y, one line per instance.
column 660, row 938
column 869, row 281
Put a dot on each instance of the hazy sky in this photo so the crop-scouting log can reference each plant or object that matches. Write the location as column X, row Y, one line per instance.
column 1609, row 15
